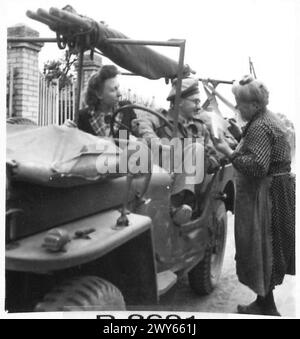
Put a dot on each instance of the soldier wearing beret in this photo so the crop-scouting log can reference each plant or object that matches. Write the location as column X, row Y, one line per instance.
column 149, row 127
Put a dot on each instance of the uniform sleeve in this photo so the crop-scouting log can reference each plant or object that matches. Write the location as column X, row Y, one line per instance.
column 211, row 156
column 254, row 157
column 144, row 126
column 208, row 144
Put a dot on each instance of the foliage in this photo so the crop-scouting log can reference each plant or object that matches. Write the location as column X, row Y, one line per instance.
column 62, row 69
column 136, row 98
column 287, row 123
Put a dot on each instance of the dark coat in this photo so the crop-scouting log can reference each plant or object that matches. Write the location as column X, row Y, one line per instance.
column 83, row 121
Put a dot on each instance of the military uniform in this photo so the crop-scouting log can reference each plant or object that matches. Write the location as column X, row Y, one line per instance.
column 149, row 127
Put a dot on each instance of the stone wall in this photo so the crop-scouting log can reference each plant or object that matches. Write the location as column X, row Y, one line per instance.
column 23, row 58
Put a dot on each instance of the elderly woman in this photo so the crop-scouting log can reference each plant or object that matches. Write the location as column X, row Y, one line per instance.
column 265, row 198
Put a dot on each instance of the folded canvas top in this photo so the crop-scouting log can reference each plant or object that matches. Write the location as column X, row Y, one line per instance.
column 57, row 155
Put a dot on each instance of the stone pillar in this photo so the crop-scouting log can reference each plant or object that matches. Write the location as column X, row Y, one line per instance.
column 89, row 67
column 23, row 57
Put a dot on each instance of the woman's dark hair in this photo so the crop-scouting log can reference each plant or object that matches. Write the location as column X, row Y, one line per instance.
column 96, row 83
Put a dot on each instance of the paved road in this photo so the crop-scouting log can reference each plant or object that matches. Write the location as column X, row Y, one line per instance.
column 229, row 292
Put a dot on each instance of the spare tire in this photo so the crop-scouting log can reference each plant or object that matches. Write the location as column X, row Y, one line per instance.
column 83, row 294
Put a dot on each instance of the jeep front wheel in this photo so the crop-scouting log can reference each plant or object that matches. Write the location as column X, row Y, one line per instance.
column 204, row 277
column 83, row 294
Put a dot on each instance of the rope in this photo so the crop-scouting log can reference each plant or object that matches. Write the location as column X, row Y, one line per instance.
column 86, row 40
column 61, row 41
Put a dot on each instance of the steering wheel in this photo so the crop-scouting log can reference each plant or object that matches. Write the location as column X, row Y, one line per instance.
column 117, row 125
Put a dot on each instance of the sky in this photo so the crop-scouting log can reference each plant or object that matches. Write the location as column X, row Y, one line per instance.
column 221, row 36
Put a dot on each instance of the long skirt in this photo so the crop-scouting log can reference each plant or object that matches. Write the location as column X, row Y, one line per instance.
column 264, row 230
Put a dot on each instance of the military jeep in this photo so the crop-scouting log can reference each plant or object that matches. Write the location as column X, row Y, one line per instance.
column 68, row 248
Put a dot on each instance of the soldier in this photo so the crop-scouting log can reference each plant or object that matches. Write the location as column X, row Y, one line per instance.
column 149, row 127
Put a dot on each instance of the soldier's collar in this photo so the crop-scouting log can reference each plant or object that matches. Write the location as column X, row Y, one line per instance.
column 198, row 118
column 180, row 117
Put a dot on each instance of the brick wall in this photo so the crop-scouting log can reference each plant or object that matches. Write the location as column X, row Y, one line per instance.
column 23, row 57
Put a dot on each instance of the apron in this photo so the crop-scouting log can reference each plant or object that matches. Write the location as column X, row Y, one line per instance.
column 253, row 233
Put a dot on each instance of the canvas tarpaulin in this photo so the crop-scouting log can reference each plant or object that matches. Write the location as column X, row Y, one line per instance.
column 213, row 118
column 138, row 59
column 54, row 154
column 81, row 32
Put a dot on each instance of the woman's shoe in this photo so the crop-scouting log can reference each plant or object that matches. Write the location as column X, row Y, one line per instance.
column 253, row 308
column 273, row 312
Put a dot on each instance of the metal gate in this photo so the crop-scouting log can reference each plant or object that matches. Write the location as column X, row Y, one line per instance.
column 55, row 105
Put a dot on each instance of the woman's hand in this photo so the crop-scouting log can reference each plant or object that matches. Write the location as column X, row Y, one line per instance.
column 222, row 146
column 234, row 129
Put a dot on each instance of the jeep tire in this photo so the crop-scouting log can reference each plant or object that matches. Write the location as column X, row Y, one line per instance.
column 204, row 277
column 83, row 294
